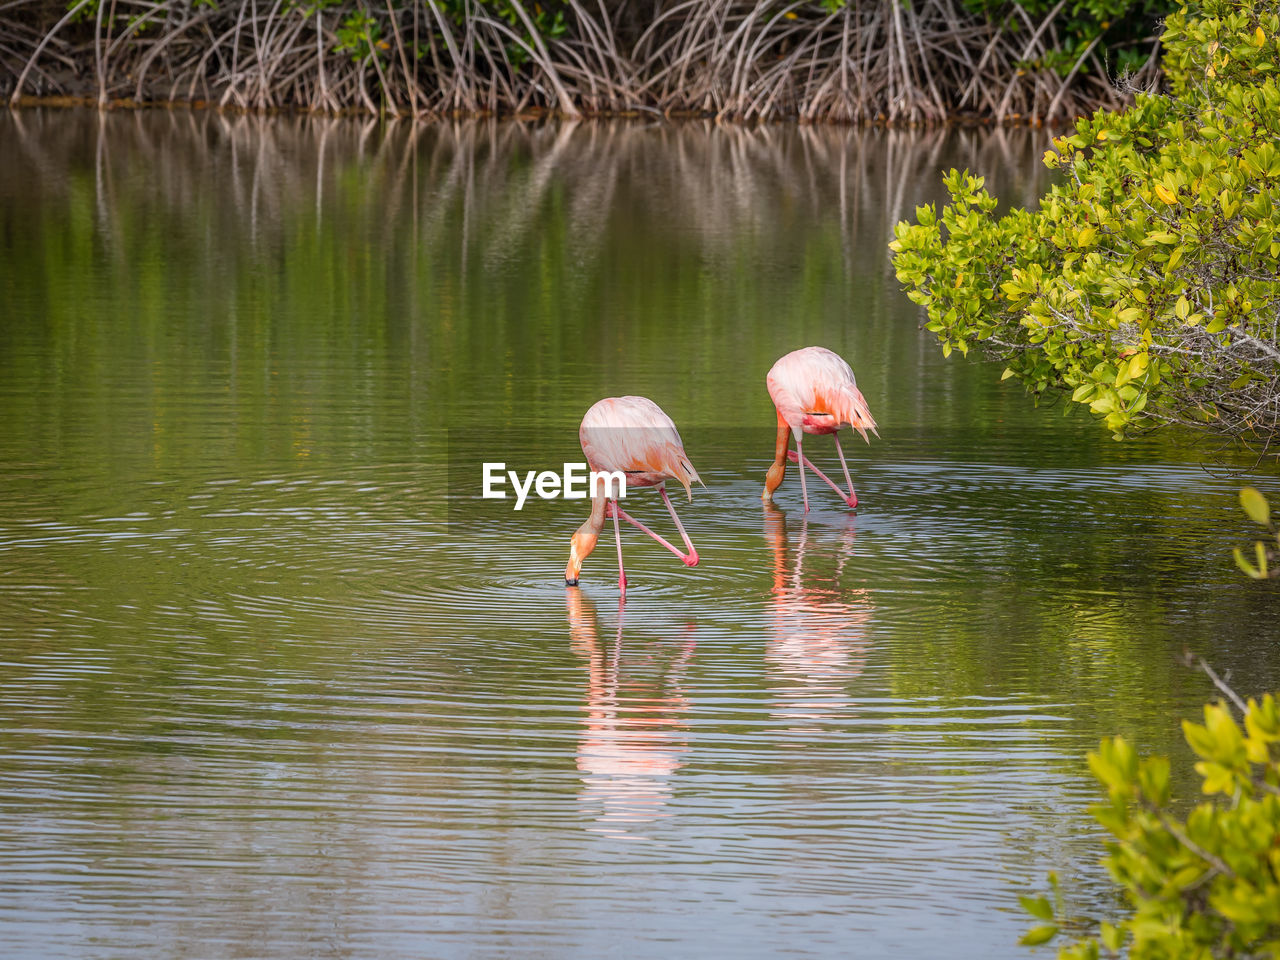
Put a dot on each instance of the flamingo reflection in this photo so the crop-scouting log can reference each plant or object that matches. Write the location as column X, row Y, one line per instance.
column 634, row 734
column 818, row 638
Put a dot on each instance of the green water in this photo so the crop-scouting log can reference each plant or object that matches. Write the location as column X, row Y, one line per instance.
column 277, row 683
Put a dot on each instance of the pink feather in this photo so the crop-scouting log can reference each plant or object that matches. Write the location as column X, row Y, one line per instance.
column 634, row 435
column 815, row 391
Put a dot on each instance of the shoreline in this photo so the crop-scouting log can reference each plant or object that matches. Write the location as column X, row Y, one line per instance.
column 742, row 61
column 532, row 114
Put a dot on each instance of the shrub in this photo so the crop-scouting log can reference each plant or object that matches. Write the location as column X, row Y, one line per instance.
column 1207, row 885
column 1146, row 284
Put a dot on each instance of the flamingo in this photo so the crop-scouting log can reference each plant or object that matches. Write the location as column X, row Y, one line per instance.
column 814, row 392
column 633, row 435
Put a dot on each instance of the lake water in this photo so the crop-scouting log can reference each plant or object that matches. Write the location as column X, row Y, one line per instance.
column 275, row 683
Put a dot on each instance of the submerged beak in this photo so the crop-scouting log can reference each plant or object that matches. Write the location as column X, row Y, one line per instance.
column 581, row 545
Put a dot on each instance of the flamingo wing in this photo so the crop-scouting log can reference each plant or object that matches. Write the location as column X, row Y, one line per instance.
column 814, row 382
column 634, row 435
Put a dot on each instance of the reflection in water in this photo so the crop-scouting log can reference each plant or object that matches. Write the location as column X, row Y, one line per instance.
column 818, row 640
column 722, row 180
column 268, row 692
column 634, row 733
column 423, row 260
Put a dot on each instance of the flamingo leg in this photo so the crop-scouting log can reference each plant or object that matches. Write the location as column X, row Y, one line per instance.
column 617, row 535
column 640, row 526
column 852, row 499
column 801, row 460
column 692, row 559
column 806, row 462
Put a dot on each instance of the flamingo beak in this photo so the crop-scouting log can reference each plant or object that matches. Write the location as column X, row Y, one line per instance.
column 576, row 555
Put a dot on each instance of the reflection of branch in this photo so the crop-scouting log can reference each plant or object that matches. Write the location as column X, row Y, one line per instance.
column 462, row 191
column 1194, row 661
column 430, row 208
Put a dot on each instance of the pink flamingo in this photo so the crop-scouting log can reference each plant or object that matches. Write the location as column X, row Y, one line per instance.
column 634, row 436
column 814, row 392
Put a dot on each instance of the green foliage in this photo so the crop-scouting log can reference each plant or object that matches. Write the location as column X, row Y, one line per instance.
column 1207, row 885
column 1125, row 26
column 548, row 22
column 305, row 9
column 1258, row 510
column 359, row 35
column 1146, row 284
column 82, row 10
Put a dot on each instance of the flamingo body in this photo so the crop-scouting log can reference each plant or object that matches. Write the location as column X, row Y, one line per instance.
column 632, row 435
column 815, row 392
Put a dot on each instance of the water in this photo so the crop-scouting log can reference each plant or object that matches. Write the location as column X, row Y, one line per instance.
column 277, row 684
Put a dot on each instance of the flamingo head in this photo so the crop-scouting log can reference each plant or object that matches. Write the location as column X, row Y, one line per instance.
column 583, row 542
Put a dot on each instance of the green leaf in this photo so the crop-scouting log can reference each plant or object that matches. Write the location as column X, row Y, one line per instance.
column 1038, row 907
column 1200, row 740
column 1112, row 936
column 1038, row 935
column 1244, row 565
column 1153, row 778
column 1255, row 506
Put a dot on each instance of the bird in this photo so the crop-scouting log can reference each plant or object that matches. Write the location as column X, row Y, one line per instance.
column 632, row 435
column 814, row 392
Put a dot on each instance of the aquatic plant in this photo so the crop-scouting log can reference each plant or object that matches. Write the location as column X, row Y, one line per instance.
column 732, row 59
column 1146, row 286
